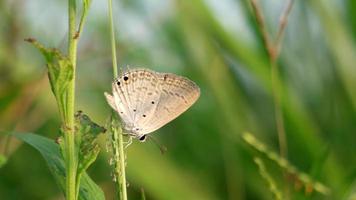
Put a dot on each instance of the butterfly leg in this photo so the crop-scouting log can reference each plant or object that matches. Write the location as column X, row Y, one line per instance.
column 128, row 143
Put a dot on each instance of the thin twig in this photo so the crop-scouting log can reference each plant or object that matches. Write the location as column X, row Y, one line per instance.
column 283, row 20
column 278, row 112
column 292, row 171
column 261, row 25
column 113, row 41
column 276, row 83
column 273, row 53
column 268, row 179
column 273, row 49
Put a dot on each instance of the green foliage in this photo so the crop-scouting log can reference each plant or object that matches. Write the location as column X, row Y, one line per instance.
column 115, row 135
column 269, row 180
column 284, row 164
column 85, row 7
column 60, row 73
column 87, row 133
column 218, row 45
column 50, row 151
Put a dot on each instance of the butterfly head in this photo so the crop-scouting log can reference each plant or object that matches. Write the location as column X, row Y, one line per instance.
column 135, row 132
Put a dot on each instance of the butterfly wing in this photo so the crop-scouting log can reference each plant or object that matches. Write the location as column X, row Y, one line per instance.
column 144, row 92
column 176, row 96
column 118, row 101
column 135, row 94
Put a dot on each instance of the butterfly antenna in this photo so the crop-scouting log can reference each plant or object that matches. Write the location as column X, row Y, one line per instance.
column 127, row 68
column 161, row 147
column 121, row 71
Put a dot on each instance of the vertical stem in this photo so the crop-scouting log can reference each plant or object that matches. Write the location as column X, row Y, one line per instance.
column 112, row 37
column 70, row 152
column 261, row 25
column 71, row 166
column 122, row 167
column 273, row 50
column 283, row 20
column 117, row 139
column 278, row 112
column 283, row 147
column 119, row 159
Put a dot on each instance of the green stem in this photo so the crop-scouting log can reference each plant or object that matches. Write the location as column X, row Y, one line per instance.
column 71, row 168
column 112, row 37
column 273, row 54
column 276, row 83
column 268, row 179
column 122, row 167
column 278, row 112
column 70, row 152
column 119, row 159
column 117, row 142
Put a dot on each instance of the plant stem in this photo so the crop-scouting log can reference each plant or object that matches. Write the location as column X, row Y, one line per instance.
column 273, row 50
column 278, row 112
column 276, row 83
column 122, row 167
column 71, row 168
column 70, row 152
column 112, row 37
column 283, row 20
column 119, row 159
column 268, row 179
column 261, row 25
column 117, row 139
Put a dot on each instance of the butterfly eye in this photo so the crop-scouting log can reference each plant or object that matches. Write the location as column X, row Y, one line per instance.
column 142, row 138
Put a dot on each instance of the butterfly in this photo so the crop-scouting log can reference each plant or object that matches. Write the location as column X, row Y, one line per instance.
column 147, row 100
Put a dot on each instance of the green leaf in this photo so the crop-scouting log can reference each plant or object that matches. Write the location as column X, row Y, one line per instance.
column 284, row 164
column 51, row 153
column 60, row 71
column 86, row 133
column 272, row 186
column 86, row 5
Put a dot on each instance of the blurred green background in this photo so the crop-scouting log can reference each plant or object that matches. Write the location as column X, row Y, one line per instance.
column 216, row 44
